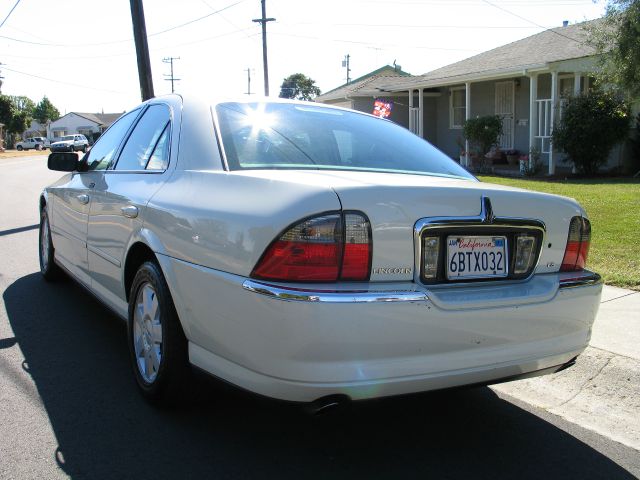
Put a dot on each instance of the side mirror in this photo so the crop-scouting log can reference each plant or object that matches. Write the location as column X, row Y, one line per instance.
column 63, row 161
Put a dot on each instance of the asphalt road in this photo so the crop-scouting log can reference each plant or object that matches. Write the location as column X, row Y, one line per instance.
column 69, row 406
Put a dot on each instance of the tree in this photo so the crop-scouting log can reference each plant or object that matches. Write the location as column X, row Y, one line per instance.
column 590, row 127
column 617, row 41
column 300, row 87
column 14, row 114
column 19, row 122
column 23, row 104
column 6, row 109
column 483, row 132
column 22, row 113
column 45, row 112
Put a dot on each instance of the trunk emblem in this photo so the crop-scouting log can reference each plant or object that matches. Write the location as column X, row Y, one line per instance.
column 392, row 271
column 486, row 211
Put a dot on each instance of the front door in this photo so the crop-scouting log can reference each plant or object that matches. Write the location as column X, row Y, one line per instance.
column 69, row 216
column 505, row 108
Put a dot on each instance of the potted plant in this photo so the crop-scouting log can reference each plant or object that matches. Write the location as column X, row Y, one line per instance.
column 483, row 133
column 530, row 164
column 512, row 156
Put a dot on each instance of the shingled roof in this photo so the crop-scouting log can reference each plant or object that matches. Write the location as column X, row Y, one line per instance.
column 554, row 45
column 105, row 119
column 366, row 85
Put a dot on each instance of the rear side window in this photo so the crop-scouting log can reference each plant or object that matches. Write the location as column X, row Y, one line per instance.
column 101, row 155
column 148, row 145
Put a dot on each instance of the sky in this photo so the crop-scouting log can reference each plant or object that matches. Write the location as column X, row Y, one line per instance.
column 81, row 54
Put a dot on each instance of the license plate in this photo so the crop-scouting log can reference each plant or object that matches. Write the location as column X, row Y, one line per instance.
column 476, row 257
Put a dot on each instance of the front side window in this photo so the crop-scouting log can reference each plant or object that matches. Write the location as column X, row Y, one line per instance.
column 101, row 155
column 287, row 136
column 457, row 107
column 147, row 146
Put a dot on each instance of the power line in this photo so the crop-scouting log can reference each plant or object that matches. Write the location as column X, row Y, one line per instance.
column 63, row 82
column 197, row 19
column 531, row 22
column 229, row 21
column 125, row 54
column 399, row 25
column 9, row 14
column 374, row 44
column 50, row 44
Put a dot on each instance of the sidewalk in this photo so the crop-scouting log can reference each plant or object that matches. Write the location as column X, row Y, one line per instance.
column 601, row 391
column 24, row 153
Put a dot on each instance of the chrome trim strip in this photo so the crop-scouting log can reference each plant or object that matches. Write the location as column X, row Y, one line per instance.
column 587, row 279
column 485, row 219
column 333, row 296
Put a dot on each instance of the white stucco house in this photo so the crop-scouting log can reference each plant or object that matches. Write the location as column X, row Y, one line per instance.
column 79, row 122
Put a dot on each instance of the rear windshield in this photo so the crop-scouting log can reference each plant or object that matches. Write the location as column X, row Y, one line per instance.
column 286, row 136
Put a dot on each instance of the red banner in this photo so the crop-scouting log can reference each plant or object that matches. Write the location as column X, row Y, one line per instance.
column 382, row 108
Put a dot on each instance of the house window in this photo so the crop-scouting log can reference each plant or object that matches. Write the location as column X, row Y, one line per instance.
column 457, row 107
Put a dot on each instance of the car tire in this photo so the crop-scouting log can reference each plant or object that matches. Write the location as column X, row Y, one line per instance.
column 157, row 344
column 48, row 267
column 38, row 147
column 19, row 148
column 84, row 149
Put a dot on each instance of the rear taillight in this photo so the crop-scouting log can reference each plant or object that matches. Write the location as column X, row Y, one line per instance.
column 575, row 255
column 327, row 248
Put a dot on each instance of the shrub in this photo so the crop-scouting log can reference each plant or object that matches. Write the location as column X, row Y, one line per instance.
column 483, row 132
column 590, row 127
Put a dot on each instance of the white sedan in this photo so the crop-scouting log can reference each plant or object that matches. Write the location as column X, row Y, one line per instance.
column 312, row 253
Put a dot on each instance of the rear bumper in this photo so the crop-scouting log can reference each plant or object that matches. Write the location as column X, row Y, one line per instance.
column 295, row 343
column 305, row 294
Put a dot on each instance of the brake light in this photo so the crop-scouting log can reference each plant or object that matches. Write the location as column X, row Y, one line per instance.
column 578, row 242
column 321, row 249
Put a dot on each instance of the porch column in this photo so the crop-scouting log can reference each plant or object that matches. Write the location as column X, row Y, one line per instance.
column 533, row 110
column 576, row 84
column 467, row 116
column 411, row 125
column 554, row 99
column 420, row 113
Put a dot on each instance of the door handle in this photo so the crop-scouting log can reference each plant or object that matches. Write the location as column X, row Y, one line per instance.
column 129, row 211
column 83, row 199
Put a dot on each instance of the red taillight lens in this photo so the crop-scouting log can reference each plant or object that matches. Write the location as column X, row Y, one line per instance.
column 578, row 242
column 357, row 248
column 320, row 249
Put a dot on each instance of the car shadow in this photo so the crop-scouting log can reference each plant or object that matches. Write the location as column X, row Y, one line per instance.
column 75, row 352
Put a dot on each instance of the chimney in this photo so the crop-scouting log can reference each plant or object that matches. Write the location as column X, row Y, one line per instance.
column 565, row 23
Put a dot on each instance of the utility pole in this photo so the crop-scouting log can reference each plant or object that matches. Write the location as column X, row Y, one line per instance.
column 345, row 63
column 264, row 21
column 248, row 70
column 171, row 78
column 142, row 49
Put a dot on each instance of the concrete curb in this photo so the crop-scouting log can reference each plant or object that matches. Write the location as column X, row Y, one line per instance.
column 601, row 392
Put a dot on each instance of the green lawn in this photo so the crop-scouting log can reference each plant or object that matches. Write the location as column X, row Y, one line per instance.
column 613, row 206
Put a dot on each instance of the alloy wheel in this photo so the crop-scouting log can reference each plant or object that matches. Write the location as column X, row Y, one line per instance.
column 147, row 333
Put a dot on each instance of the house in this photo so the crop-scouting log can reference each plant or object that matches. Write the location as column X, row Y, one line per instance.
column 361, row 93
column 36, row 129
column 525, row 82
column 91, row 125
